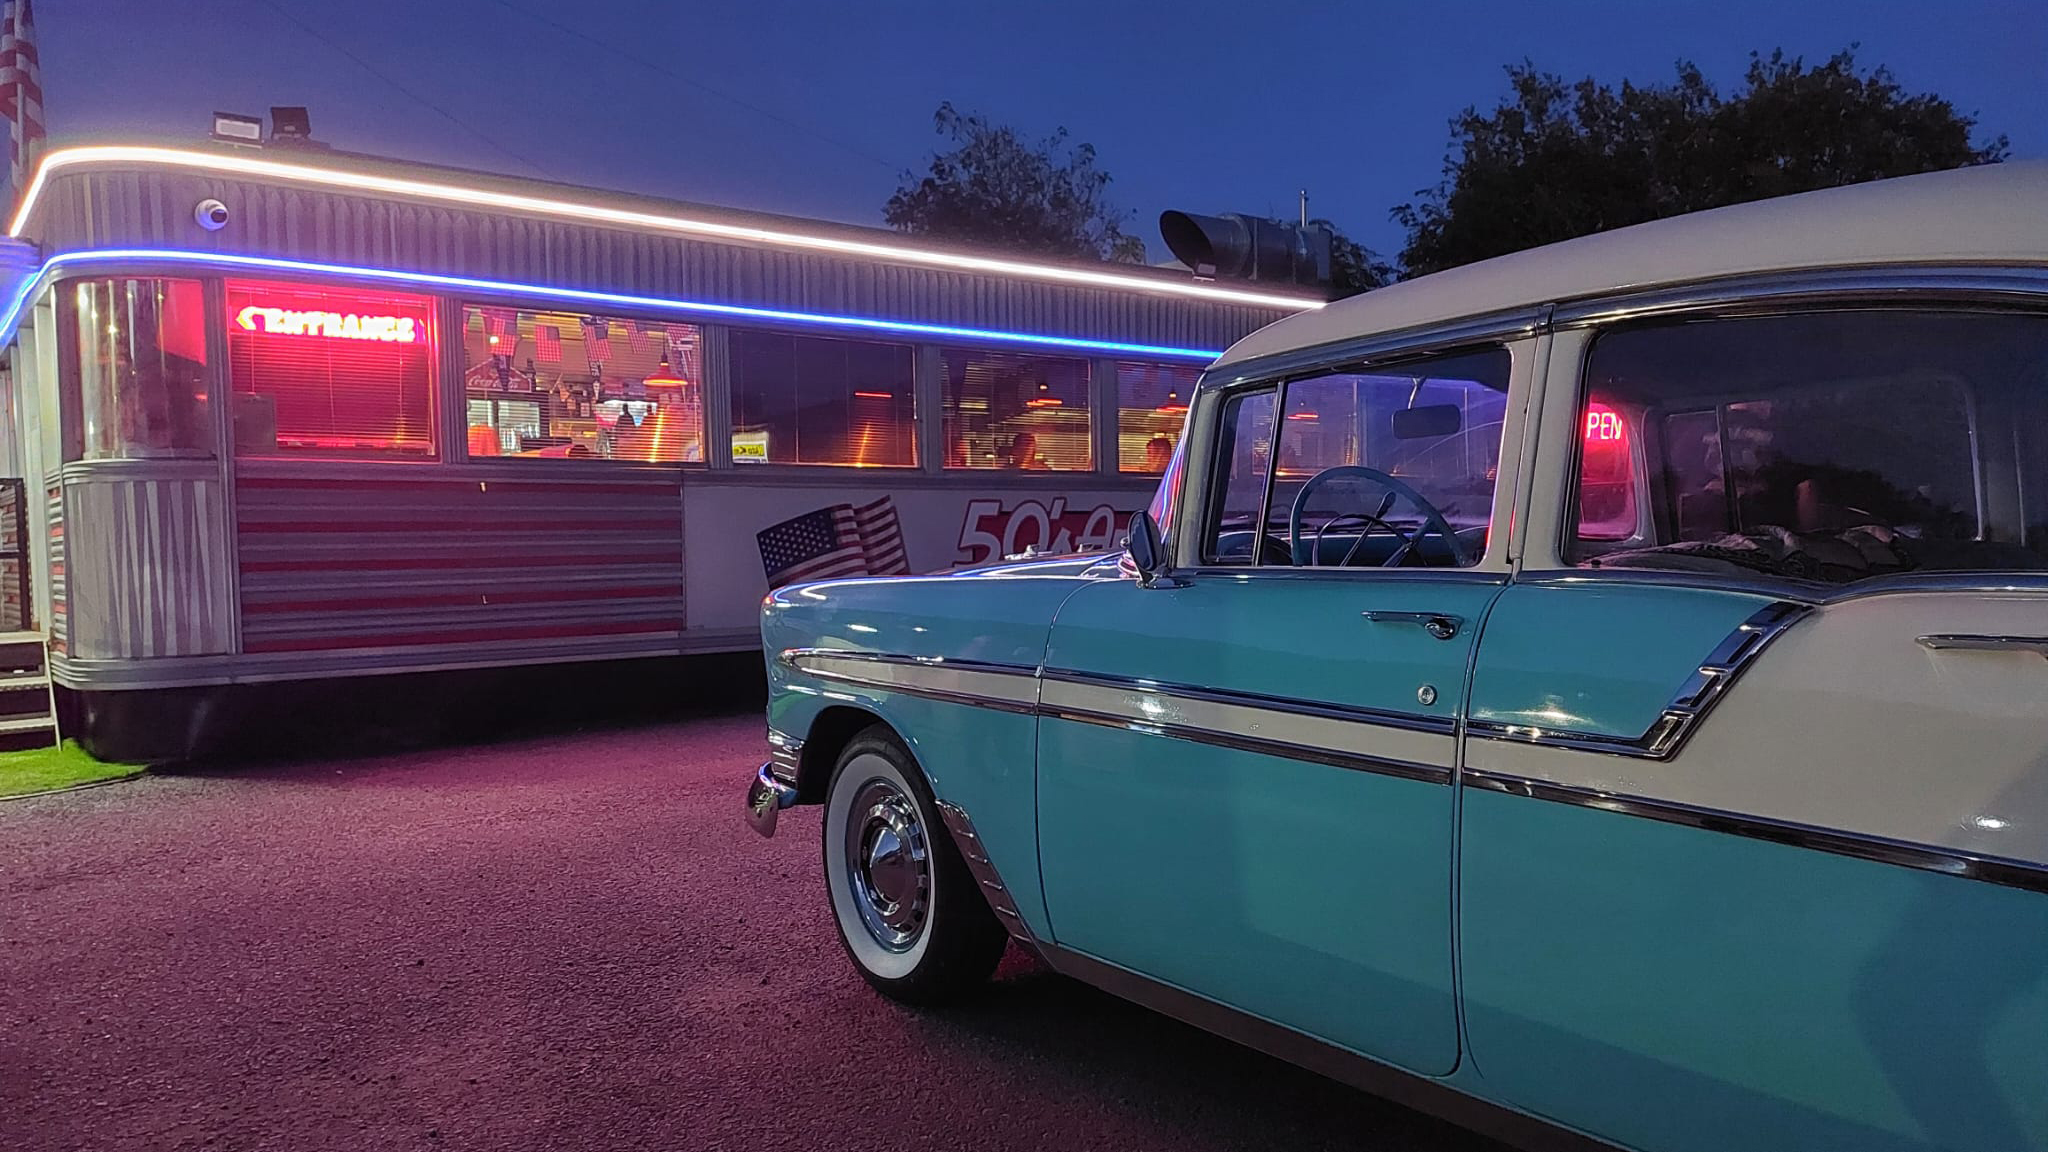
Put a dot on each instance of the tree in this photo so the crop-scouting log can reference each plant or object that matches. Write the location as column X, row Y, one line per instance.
column 1354, row 268
column 1554, row 161
column 996, row 188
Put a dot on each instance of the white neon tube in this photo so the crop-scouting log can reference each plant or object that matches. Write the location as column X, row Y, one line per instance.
column 596, row 214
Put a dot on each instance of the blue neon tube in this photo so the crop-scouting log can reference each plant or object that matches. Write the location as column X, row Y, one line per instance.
column 9, row 319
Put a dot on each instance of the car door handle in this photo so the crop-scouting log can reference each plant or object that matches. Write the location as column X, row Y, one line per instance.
column 1969, row 642
column 1441, row 625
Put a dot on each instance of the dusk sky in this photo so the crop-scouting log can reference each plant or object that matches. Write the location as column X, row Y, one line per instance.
column 815, row 108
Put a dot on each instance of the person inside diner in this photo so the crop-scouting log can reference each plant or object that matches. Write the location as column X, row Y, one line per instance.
column 1158, row 453
column 1024, row 453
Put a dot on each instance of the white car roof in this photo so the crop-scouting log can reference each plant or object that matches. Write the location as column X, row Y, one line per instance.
column 1994, row 213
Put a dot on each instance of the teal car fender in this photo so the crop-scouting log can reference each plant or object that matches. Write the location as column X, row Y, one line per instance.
column 991, row 623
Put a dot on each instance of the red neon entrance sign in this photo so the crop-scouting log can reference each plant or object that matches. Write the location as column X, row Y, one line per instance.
column 328, row 325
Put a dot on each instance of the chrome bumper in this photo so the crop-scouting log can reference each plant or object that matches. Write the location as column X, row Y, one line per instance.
column 767, row 796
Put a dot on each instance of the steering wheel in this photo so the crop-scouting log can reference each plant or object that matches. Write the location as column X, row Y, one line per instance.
column 1433, row 520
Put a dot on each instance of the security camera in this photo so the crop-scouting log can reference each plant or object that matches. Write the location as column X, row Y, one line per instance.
column 212, row 215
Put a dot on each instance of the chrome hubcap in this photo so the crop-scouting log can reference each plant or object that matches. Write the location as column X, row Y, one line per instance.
column 888, row 865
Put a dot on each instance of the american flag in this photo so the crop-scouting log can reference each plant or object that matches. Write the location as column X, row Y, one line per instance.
column 650, row 337
column 840, row 540
column 502, row 323
column 21, row 90
column 547, row 343
column 597, row 339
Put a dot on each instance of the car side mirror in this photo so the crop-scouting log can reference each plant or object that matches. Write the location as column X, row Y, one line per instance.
column 1148, row 552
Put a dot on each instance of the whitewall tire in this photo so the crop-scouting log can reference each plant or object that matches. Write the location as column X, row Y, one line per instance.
column 910, row 915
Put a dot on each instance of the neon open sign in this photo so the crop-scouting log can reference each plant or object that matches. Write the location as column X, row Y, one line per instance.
column 1602, row 424
column 332, row 325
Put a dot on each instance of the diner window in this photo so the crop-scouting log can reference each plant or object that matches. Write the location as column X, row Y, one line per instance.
column 819, row 400
column 132, row 369
column 1006, row 410
column 1151, row 406
column 1823, row 446
column 338, row 372
column 559, row 385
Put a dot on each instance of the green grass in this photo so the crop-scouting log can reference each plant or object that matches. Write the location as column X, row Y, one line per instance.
column 41, row 769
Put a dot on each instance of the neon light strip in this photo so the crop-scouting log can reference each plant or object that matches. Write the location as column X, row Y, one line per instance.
column 217, row 260
column 567, row 209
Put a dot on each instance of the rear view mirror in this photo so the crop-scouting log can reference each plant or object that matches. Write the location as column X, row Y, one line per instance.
column 1429, row 422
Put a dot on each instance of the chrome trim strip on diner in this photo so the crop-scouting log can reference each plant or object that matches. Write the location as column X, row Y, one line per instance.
column 1897, row 285
column 1967, row 642
column 1989, row 869
column 968, row 841
column 1004, row 687
column 1689, row 705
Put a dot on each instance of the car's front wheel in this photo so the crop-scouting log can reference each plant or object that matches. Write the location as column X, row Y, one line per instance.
column 908, row 911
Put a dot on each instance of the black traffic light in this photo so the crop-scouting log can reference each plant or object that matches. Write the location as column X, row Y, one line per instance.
column 1246, row 247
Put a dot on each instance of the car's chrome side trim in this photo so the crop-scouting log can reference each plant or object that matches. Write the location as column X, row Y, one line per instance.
column 1442, row 726
column 785, row 755
column 1379, row 347
column 1317, row 733
column 1335, row 758
column 1990, row 869
column 968, row 841
column 1688, row 706
column 1796, row 591
column 1836, row 287
column 1407, row 1089
column 1004, row 687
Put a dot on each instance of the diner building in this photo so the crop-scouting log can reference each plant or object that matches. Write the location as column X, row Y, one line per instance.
column 284, row 413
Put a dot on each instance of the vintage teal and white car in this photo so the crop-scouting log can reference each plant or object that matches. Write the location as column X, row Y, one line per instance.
column 1600, row 692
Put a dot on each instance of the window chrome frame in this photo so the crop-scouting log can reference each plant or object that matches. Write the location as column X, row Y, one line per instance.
column 1511, row 332
column 1561, row 361
column 1946, row 288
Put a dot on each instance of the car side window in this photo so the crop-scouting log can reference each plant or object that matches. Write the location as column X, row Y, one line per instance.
column 1242, row 466
column 1387, row 465
column 1821, row 446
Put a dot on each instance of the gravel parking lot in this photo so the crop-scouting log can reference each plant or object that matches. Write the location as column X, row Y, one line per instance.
column 569, row 942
